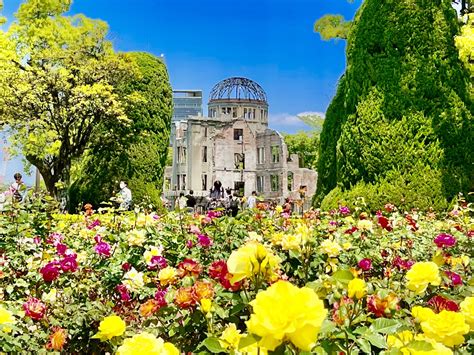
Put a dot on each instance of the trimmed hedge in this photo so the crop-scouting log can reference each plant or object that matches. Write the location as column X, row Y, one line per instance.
column 402, row 108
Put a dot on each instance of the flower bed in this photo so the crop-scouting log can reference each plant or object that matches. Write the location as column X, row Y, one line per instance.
column 344, row 281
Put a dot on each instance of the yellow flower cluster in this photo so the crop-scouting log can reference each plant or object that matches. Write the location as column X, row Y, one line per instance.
column 331, row 248
column 285, row 312
column 133, row 280
column 230, row 339
column 146, row 343
column 467, row 309
column 357, row 288
column 421, row 274
column 111, row 326
column 167, row 275
column 136, row 237
column 446, row 327
column 252, row 259
column 405, row 341
column 6, row 317
column 365, row 225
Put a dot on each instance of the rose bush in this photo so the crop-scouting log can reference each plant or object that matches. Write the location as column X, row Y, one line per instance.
column 326, row 282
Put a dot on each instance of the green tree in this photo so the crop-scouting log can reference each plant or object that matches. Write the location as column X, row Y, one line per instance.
column 306, row 146
column 139, row 157
column 336, row 27
column 402, row 105
column 465, row 44
column 58, row 80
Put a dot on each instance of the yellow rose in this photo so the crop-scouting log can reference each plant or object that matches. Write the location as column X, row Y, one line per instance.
column 422, row 314
column 146, row 343
column 252, row 259
column 277, row 238
column 206, row 305
column 111, row 326
column 332, row 249
column 284, row 312
column 400, row 339
column 167, row 276
column 365, row 225
column 6, row 317
column 230, row 337
column 404, row 340
column 421, row 274
column 357, row 288
column 446, row 327
column 133, row 280
column 467, row 309
column 136, row 237
column 291, row 242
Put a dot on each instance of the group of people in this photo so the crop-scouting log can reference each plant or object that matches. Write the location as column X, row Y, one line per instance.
column 218, row 198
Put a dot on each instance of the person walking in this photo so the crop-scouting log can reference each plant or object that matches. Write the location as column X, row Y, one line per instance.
column 125, row 196
column 252, row 200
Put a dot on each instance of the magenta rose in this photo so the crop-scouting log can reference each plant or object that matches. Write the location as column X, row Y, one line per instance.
column 365, row 264
column 204, row 240
column 103, row 249
column 456, row 279
column 61, row 249
column 50, row 271
column 69, row 263
column 444, row 240
column 157, row 261
column 34, row 308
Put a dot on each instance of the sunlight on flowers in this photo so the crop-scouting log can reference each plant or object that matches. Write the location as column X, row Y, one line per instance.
column 277, row 320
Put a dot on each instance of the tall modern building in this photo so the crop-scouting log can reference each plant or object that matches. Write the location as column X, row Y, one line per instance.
column 186, row 103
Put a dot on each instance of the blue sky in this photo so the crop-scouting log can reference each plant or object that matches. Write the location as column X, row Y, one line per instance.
column 269, row 41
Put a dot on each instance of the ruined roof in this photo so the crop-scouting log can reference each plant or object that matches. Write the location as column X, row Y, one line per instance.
column 238, row 89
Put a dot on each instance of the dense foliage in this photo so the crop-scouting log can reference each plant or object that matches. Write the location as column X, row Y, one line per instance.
column 57, row 77
column 402, row 111
column 325, row 283
column 306, row 146
column 139, row 155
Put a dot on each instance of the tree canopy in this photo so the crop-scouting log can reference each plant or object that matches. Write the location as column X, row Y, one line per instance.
column 58, row 77
column 402, row 112
column 139, row 155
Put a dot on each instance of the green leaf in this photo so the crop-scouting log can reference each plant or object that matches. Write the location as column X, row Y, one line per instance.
column 420, row 345
column 364, row 345
column 213, row 345
column 376, row 340
column 385, row 326
column 343, row 276
column 247, row 341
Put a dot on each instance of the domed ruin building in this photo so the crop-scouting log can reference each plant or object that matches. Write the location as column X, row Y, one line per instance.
column 235, row 146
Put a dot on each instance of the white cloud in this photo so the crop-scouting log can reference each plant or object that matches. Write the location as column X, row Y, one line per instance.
column 312, row 113
column 289, row 123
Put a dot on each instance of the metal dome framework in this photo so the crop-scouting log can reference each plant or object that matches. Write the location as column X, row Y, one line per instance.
column 238, row 89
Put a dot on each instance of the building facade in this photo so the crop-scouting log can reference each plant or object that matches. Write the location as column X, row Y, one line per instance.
column 186, row 103
column 235, row 146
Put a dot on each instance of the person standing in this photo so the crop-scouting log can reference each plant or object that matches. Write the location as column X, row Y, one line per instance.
column 252, row 200
column 190, row 201
column 125, row 196
column 180, row 202
column 18, row 188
